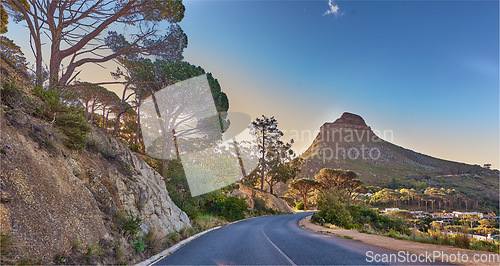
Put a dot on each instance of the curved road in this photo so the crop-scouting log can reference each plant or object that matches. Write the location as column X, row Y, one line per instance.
column 271, row 240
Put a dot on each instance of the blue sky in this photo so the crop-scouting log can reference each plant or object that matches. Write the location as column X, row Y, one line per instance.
column 425, row 70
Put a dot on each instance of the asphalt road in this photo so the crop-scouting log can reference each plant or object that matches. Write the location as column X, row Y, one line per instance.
column 272, row 240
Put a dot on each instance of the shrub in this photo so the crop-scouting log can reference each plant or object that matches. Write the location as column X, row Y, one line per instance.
column 70, row 120
column 231, row 208
column 119, row 251
column 6, row 245
column 259, row 205
column 72, row 123
column 334, row 210
column 300, row 206
column 174, row 237
column 11, row 95
column 206, row 221
column 139, row 245
column 130, row 223
column 272, row 211
column 484, row 245
column 186, row 232
column 191, row 210
column 461, row 240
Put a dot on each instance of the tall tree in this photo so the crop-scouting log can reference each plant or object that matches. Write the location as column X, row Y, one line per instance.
column 266, row 131
column 93, row 98
column 281, row 164
column 303, row 187
column 12, row 55
column 153, row 78
column 75, row 32
column 4, row 20
column 340, row 179
column 145, row 77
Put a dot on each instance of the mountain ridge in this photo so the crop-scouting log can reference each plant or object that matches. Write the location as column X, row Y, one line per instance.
column 350, row 144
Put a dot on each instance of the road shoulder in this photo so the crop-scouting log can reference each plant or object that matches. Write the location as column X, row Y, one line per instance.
column 411, row 247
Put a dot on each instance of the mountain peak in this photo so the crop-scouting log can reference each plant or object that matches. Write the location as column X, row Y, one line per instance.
column 350, row 119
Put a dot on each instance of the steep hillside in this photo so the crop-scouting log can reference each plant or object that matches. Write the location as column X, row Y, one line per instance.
column 348, row 143
column 57, row 200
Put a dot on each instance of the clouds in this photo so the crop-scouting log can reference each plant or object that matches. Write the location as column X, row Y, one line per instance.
column 333, row 9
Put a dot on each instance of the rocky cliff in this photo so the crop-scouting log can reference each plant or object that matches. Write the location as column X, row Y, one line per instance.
column 250, row 194
column 54, row 198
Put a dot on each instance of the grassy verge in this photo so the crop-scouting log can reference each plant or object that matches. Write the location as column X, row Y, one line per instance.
column 434, row 237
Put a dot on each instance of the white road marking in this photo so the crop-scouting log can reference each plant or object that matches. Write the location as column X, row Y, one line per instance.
column 279, row 250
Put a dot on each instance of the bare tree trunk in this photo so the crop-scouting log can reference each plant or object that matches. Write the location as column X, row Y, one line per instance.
column 92, row 115
column 39, row 61
column 176, row 145
column 262, row 166
column 103, row 113
column 120, row 111
column 304, row 199
column 240, row 161
column 136, row 141
column 106, row 122
column 87, row 110
column 164, row 167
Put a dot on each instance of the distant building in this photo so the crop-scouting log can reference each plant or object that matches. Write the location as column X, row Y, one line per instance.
column 390, row 210
column 444, row 217
column 487, row 165
column 491, row 217
column 461, row 215
column 419, row 214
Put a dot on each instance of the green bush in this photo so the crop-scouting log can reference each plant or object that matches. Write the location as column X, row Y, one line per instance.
column 174, row 237
column 139, row 245
column 484, row 245
column 130, row 223
column 231, row 208
column 11, row 95
column 334, row 210
column 69, row 120
column 72, row 123
column 299, row 206
column 206, row 221
column 461, row 240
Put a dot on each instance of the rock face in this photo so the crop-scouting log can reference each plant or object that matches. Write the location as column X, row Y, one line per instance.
column 249, row 194
column 53, row 197
column 272, row 201
column 143, row 190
